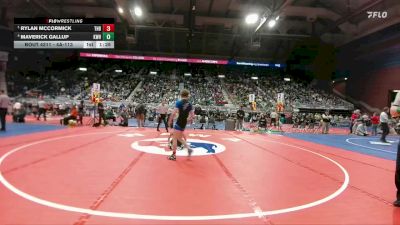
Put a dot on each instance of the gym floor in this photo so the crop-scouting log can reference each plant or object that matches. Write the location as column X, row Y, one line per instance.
column 120, row 175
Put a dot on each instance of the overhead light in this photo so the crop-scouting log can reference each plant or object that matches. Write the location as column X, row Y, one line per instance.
column 277, row 18
column 278, row 65
column 82, row 68
column 254, row 78
column 271, row 23
column 138, row 11
column 221, row 76
column 345, row 78
column 396, row 90
column 118, row 71
column 286, row 79
column 263, row 19
column 187, row 74
column 251, row 18
column 153, row 72
column 120, row 10
column 333, row 82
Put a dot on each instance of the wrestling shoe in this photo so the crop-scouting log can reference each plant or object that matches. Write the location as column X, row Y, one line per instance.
column 180, row 147
column 190, row 151
column 172, row 157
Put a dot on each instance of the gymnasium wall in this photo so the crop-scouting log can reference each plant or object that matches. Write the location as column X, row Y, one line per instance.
column 373, row 86
column 374, row 66
column 340, row 87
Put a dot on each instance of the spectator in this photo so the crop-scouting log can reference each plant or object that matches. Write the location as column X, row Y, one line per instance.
column 281, row 121
column 72, row 116
column 110, row 115
column 354, row 117
column 19, row 113
column 124, row 118
column 326, row 119
column 239, row 119
column 254, row 121
column 361, row 129
column 140, row 114
column 274, row 117
column 262, row 123
column 100, row 109
column 81, row 111
column 42, row 108
column 375, row 123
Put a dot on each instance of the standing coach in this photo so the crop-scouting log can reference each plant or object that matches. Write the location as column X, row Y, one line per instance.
column 395, row 113
column 4, row 103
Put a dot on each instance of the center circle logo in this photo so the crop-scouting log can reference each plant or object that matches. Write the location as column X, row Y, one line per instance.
column 160, row 146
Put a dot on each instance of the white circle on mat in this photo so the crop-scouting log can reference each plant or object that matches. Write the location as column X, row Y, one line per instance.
column 64, row 207
column 348, row 140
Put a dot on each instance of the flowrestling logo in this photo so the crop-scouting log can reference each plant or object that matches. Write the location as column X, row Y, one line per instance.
column 377, row 14
column 160, row 146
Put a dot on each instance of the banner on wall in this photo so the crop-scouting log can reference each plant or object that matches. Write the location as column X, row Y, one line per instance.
column 280, row 102
column 254, row 106
column 281, row 98
column 95, row 93
column 252, row 97
column 180, row 60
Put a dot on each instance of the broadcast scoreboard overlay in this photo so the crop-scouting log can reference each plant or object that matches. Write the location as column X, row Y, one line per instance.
column 46, row 33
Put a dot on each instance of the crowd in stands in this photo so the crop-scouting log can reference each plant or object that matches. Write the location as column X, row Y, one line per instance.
column 156, row 88
column 114, row 86
column 240, row 88
column 204, row 90
column 73, row 83
column 266, row 89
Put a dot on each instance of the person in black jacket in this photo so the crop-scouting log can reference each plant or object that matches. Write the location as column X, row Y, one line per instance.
column 81, row 112
column 262, row 123
column 100, row 109
column 140, row 114
column 124, row 118
column 197, row 110
column 239, row 119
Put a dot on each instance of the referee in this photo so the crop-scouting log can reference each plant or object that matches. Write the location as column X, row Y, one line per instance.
column 384, row 119
column 4, row 103
column 162, row 110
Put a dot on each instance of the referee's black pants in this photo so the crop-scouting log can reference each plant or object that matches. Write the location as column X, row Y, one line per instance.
column 163, row 117
column 385, row 131
column 102, row 116
column 42, row 111
column 3, row 113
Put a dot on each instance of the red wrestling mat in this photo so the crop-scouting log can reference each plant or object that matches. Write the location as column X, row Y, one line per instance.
column 52, row 120
column 119, row 175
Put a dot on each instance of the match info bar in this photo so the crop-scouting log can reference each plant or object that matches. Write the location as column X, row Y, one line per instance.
column 47, row 33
